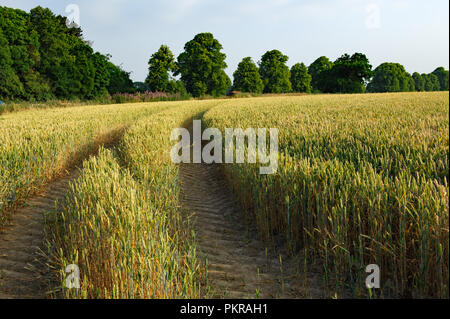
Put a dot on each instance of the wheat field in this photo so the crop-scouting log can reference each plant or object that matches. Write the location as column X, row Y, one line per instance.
column 362, row 179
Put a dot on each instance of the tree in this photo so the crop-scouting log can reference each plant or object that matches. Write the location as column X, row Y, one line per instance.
column 43, row 58
column 411, row 83
column 23, row 44
column 141, row 86
column 102, row 76
column 431, row 82
column 120, row 81
column 247, row 78
column 419, row 82
column 318, row 69
column 55, row 43
column 82, row 79
column 349, row 74
column 176, row 87
column 275, row 73
column 10, row 85
column 160, row 64
column 202, row 66
column 300, row 78
column 391, row 77
column 442, row 75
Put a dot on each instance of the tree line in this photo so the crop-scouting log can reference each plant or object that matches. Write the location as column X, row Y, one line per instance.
column 42, row 58
column 201, row 68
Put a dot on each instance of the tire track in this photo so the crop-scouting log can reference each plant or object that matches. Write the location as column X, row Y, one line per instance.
column 238, row 264
column 24, row 272
column 24, row 269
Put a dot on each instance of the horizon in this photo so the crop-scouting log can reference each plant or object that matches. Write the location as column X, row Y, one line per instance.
column 396, row 31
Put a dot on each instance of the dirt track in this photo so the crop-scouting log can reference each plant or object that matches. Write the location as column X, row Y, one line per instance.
column 23, row 272
column 237, row 263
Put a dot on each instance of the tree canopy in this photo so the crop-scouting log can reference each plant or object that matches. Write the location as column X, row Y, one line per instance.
column 247, row 78
column 392, row 77
column 349, row 74
column 431, row 82
column 300, row 78
column 419, row 82
column 42, row 58
column 318, row 70
column 160, row 64
column 275, row 73
column 442, row 75
column 10, row 85
column 202, row 66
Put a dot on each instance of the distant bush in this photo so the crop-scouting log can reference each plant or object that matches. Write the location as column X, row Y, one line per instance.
column 146, row 96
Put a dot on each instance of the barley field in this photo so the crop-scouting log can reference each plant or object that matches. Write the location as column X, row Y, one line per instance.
column 362, row 179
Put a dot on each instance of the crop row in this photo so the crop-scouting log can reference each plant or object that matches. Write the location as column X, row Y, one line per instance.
column 122, row 224
column 362, row 179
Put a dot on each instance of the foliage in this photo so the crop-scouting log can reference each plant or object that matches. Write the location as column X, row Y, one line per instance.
column 10, row 85
column 391, row 77
column 177, row 87
column 160, row 64
column 349, row 74
column 102, row 77
column 146, row 96
column 141, row 86
column 419, row 82
column 300, row 78
column 247, row 78
column 43, row 59
column 318, row 69
column 431, row 82
column 202, row 65
column 442, row 75
column 275, row 73
column 120, row 81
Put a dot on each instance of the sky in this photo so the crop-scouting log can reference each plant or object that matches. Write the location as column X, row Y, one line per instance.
column 414, row 33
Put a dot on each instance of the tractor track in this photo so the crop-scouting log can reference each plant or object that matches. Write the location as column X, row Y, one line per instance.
column 239, row 265
column 24, row 272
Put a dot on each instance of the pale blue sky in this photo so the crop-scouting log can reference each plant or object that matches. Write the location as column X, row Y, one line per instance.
column 414, row 33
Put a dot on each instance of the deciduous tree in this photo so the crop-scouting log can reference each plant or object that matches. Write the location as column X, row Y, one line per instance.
column 442, row 75
column 318, row 69
column 419, row 82
column 247, row 77
column 160, row 64
column 300, row 78
column 349, row 74
column 202, row 66
column 431, row 82
column 275, row 73
column 391, row 77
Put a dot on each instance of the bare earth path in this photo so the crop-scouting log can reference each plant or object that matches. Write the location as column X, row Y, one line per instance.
column 238, row 265
column 22, row 267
